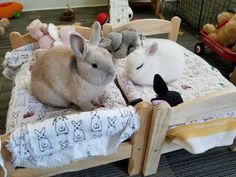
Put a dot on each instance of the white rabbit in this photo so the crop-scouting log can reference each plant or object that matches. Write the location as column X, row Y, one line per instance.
column 162, row 57
column 78, row 75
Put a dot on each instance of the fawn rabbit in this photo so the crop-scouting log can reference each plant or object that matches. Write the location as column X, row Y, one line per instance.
column 77, row 75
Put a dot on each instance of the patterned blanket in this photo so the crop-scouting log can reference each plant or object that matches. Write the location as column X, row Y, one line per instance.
column 43, row 136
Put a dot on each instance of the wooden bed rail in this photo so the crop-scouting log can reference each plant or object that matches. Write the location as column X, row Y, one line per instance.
column 149, row 27
column 205, row 105
column 133, row 150
column 18, row 40
column 143, row 26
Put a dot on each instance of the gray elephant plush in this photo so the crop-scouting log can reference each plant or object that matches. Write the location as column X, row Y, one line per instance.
column 120, row 44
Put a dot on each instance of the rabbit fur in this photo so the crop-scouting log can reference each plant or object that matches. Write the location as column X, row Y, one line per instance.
column 163, row 57
column 77, row 75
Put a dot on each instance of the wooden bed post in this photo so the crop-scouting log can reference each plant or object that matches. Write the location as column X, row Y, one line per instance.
column 175, row 23
column 233, row 146
column 139, row 139
column 159, row 125
column 18, row 40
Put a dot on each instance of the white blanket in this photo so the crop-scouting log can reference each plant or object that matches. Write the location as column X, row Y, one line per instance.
column 61, row 139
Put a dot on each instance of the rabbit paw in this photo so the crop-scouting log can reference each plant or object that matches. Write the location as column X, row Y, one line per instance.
column 97, row 102
column 88, row 106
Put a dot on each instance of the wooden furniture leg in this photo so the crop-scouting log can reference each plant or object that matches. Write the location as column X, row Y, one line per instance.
column 233, row 146
column 140, row 138
column 157, row 8
column 157, row 134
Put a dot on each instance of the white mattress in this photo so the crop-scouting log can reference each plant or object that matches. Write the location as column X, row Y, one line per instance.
column 199, row 79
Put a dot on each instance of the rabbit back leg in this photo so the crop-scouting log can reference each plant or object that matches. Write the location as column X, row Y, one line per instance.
column 47, row 95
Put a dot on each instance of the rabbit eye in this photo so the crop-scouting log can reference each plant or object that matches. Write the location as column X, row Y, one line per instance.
column 140, row 66
column 94, row 65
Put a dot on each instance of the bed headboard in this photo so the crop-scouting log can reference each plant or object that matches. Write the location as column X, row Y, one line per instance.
column 143, row 26
column 18, row 40
column 149, row 27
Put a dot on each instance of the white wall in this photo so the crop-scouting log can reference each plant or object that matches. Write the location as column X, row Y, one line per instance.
column 58, row 4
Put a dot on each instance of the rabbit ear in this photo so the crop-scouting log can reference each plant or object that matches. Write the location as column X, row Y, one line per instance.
column 159, row 85
column 78, row 45
column 96, row 33
column 152, row 49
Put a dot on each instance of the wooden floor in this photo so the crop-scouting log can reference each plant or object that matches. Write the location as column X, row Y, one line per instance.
column 87, row 16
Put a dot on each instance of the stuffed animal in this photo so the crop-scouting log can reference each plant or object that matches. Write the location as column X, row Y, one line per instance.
column 85, row 71
column 225, row 33
column 172, row 97
column 120, row 44
column 49, row 36
column 120, row 12
column 162, row 57
column 224, row 16
column 39, row 31
column 64, row 34
column 4, row 23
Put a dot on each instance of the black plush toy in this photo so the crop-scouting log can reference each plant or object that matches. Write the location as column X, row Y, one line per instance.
column 172, row 97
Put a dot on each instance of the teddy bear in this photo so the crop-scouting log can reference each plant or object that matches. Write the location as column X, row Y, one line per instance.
column 120, row 44
column 224, row 16
column 4, row 23
column 226, row 34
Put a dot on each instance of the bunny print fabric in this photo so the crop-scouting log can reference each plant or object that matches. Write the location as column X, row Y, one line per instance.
column 61, row 139
column 43, row 136
column 14, row 59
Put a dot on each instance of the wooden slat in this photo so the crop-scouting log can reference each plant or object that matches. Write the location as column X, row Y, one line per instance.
column 139, row 139
column 18, row 40
column 123, row 152
column 205, row 105
column 149, row 27
column 158, row 129
column 168, row 146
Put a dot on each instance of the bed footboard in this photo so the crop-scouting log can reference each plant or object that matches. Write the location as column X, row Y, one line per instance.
column 158, row 129
column 123, row 152
column 133, row 150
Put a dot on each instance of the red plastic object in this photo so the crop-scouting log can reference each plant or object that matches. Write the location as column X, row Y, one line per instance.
column 223, row 52
column 102, row 18
column 7, row 9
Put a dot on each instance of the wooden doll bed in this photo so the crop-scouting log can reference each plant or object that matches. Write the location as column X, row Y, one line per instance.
column 134, row 150
column 186, row 112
